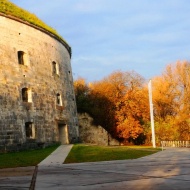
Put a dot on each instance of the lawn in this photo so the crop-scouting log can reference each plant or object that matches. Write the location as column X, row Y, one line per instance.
column 25, row 158
column 88, row 153
column 79, row 153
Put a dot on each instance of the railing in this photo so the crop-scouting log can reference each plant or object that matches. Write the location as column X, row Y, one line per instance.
column 175, row 144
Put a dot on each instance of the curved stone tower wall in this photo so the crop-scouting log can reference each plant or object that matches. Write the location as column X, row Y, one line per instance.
column 37, row 102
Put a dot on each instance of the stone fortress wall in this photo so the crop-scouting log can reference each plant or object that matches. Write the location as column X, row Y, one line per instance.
column 37, row 102
column 93, row 134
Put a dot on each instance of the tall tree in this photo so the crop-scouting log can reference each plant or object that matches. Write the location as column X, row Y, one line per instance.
column 119, row 103
column 128, row 102
column 132, row 107
column 82, row 95
column 171, row 94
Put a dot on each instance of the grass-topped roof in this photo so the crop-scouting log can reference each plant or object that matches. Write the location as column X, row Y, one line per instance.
column 10, row 9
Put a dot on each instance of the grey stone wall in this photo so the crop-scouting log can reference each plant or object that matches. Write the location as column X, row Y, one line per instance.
column 40, row 50
column 93, row 134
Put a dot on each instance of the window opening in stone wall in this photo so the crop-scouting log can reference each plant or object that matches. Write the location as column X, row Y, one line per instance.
column 26, row 95
column 55, row 68
column 30, row 130
column 58, row 99
column 21, row 57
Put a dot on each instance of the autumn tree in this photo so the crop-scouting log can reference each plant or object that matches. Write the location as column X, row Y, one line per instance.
column 95, row 103
column 127, row 103
column 103, row 108
column 171, row 95
column 132, row 107
column 119, row 103
column 182, row 121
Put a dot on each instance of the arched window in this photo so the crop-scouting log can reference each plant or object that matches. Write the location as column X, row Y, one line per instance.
column 26, row 95
column 58, row 99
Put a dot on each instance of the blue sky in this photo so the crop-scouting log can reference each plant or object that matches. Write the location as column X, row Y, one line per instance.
column 111, row 35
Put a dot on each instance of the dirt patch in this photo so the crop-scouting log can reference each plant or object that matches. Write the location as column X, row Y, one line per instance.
column 21, row 171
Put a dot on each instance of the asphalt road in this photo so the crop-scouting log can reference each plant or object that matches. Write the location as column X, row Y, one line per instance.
column 166, row 170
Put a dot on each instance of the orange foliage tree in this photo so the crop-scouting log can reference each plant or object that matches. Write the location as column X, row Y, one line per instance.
column 132, row 107
column 171, row 95
column 119, row 103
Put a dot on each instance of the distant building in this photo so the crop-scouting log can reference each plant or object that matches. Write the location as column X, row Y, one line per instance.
column 37, row 102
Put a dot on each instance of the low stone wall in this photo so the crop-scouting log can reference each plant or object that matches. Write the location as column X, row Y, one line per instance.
column 93, row 134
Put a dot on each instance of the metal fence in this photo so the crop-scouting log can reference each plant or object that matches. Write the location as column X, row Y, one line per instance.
column 175, row 144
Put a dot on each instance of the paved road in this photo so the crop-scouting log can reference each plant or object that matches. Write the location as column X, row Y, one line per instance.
column 166, row 170
column 16, row 178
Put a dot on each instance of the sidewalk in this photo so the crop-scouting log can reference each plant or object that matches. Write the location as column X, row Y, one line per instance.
column 25, row 177
column 169, row 169
column 57, row 157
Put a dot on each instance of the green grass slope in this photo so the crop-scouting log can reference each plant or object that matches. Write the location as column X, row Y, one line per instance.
column 91, row 153
column 11, row 9
column 25, row 158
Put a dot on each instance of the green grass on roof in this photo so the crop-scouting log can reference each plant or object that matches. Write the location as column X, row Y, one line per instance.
column 9, row 8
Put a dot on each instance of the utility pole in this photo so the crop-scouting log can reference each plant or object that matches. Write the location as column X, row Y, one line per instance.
column 151, row 113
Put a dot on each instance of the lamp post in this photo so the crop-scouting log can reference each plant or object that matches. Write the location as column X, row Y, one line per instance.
column 151, row 113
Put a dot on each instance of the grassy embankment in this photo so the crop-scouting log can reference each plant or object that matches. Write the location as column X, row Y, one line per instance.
column 25, row 158
column 9, row 8
column 86, row 153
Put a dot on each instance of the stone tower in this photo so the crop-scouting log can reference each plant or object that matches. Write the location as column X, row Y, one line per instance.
column 37, row 102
